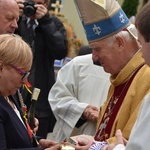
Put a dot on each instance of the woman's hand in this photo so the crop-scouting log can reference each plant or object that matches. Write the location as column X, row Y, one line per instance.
column 49, row 145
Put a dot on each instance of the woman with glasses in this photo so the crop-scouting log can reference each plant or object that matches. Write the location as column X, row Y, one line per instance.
column 15, row 63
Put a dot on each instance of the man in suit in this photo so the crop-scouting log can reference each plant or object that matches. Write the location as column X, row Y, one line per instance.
column 49, row 43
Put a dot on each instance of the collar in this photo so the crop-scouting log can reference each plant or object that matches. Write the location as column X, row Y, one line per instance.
column 36, row 22
column 130, row 67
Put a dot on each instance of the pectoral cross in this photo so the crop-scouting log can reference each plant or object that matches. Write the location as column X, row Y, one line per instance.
column 57, row 6
column 103, row 126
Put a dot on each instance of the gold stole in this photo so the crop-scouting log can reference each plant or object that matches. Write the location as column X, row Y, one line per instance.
column 112, row 109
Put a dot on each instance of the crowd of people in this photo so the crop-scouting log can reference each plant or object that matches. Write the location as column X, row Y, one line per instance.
column 48, row 42
column 104, row 94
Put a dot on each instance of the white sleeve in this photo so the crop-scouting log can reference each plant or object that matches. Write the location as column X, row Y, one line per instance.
column 140, row 135
column 63, row 100
column 119, row 147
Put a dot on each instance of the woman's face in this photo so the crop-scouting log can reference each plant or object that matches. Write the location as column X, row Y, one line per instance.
column 11, row 80
column 145, row 48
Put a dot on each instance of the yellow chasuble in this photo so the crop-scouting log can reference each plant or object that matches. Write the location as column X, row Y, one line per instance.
column 128, row 111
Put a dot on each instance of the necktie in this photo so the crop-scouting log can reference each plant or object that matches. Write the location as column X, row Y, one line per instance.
column 31, row 31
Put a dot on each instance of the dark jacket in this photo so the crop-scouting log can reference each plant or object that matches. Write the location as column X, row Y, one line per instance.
column 13, row 134
column 50, row 43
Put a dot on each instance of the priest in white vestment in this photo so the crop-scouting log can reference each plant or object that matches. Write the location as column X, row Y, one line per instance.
column 79, row 84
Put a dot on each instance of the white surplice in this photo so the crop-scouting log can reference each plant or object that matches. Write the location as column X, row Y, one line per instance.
column 78, row 84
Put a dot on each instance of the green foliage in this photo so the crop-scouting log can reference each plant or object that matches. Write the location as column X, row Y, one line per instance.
column 130, row 7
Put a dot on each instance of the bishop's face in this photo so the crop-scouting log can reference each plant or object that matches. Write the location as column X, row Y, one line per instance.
column 109, row 54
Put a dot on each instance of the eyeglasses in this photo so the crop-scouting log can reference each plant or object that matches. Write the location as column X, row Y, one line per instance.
column 22, row 72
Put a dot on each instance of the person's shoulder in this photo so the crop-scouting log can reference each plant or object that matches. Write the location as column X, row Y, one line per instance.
column 84, row 59
column 58, row 23
column 55, row 19
column 78, row 61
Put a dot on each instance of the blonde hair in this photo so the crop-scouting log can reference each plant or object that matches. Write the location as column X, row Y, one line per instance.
column 13, row 50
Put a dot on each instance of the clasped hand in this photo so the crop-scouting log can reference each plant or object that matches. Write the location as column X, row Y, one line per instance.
column 91, row 113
